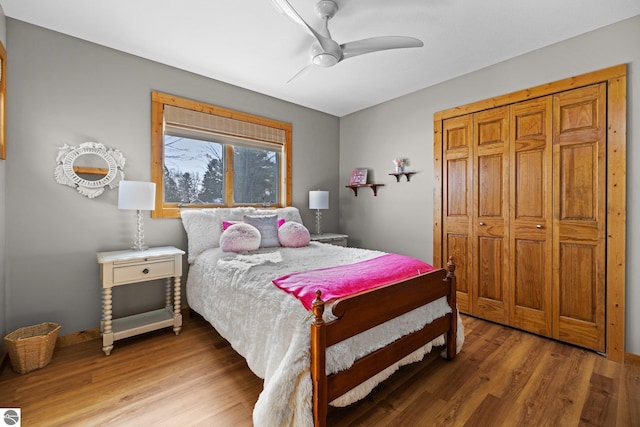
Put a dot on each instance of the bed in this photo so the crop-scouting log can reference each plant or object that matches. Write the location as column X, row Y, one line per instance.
column 332, row 352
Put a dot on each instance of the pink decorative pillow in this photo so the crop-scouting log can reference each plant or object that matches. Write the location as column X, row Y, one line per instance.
column 227, row 224
column 293, row 235
column 240, row 237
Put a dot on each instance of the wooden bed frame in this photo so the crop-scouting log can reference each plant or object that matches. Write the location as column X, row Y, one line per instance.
column 365, row 310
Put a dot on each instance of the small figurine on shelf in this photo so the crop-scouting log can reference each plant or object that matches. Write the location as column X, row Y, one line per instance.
column 400, row 164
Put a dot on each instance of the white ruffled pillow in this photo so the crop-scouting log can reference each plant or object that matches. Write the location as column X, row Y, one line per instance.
column 240, row 237
column 203, row 230
column 293, row 235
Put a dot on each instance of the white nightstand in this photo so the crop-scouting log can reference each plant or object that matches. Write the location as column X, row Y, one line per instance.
column 331, row 238
column 119, row 268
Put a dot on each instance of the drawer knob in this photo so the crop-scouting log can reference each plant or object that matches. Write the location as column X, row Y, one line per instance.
column 145, row 271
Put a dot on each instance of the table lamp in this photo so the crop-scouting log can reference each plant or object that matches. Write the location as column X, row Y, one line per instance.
column 139, row 196
column 318, row 200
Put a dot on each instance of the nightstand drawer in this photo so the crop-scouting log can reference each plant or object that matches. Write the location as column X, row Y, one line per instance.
column 142, row 271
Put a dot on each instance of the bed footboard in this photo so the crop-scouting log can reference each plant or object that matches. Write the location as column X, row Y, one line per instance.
column 363, row 311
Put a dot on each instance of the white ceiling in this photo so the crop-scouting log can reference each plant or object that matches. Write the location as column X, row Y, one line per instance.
column 249, row 44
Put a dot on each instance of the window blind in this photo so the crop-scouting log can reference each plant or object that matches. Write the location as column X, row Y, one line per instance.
column 188, row 123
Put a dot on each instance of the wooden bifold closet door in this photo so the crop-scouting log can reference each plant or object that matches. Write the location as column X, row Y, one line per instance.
column 530, row 218
column 579, row 216
column 524, row 213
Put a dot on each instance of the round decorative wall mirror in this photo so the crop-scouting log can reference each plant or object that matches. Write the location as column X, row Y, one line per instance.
column 89, row 167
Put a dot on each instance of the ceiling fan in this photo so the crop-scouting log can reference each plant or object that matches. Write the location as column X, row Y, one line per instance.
column 326, row 52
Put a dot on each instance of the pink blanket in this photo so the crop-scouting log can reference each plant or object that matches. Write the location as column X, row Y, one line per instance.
column 344, row 280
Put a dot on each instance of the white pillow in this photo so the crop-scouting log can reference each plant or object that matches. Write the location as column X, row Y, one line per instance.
column 203, row 230
column 240, row 237
column 293, row 235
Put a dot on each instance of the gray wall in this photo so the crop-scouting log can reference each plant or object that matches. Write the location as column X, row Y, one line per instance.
column 65, row 90
column 401, row 217
column 3, row 228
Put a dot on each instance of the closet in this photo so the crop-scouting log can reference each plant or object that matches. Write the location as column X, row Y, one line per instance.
column 523, row 181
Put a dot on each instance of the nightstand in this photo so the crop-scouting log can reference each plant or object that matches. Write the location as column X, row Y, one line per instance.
column 331, row 238
column 119, row 268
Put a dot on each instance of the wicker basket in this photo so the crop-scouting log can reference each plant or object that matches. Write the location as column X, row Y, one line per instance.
column 31, row 347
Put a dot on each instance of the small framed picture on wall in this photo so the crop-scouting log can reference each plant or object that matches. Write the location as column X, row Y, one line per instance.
column 358, row 176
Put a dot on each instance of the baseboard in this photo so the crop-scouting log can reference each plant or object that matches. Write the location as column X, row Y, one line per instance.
column 632, row 359
column 78, row 337
column 4, row 361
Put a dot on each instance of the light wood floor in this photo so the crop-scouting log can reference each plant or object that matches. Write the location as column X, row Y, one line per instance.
column 502, row 377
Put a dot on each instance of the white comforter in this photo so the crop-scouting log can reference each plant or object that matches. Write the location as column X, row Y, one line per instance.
column 270, row 328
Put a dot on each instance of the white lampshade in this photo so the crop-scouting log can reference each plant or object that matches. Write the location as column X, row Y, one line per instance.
column 137, row 195
column 318, row 199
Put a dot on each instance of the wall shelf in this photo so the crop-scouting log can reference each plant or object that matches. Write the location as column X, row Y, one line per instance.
column 374, row 188
column 399, row 174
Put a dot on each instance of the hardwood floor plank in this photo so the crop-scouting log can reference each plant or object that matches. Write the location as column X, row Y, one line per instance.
column 601, row 402
column 628, row 411
column 493, row 411
column 502, row 377
column 415, row 410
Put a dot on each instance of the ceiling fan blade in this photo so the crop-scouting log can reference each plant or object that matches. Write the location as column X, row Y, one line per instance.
column 299, row 73
column 284, row 7
column 375, row 44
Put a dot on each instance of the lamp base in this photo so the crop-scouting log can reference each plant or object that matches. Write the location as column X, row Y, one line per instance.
column 138, row 244
column 318, row 220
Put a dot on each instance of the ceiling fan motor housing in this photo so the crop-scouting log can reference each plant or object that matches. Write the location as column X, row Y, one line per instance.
column 324, row 58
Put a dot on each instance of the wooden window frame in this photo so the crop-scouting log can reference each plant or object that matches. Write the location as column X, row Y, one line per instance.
column 172, row 210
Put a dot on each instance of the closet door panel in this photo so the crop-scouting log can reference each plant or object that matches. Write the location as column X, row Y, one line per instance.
column 530, row 166
column 579, row 299
column 580, row 216
column 578, row 183
column 531, row 215
column 491, row 214
column 457, row 246
column 457, row 178
column 457, row 204
column 530, row 259
column 490, row 268
column 578, row 296
column 531, row 306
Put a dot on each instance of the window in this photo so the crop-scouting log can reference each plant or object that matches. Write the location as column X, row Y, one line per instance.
column 207, row 156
